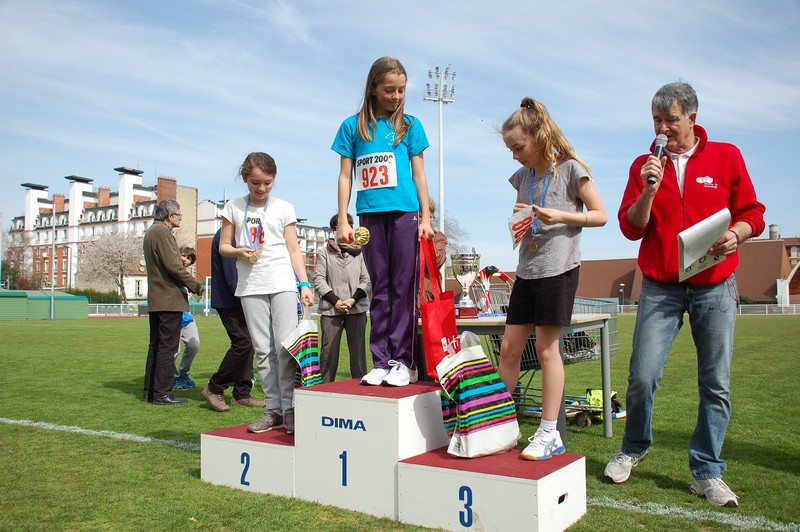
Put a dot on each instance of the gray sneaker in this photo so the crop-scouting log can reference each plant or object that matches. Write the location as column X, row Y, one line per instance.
column 619, row 468
column 715, row 491
column 288, row 418
column 268, row 421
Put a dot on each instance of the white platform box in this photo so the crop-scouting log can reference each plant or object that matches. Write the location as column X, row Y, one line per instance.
column 262, row 463
column 350, row 437
column 497, row 492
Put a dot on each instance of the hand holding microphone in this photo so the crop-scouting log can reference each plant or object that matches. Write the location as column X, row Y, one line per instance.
column 661, row 141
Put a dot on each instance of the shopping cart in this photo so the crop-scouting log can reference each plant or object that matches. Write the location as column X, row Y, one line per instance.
column 492, row 294
column 491, row 291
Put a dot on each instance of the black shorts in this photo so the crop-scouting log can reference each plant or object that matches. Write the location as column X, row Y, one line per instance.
column 546, row 301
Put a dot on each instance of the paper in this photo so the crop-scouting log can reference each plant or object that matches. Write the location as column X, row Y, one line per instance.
column 694, row 242
column 518, row 225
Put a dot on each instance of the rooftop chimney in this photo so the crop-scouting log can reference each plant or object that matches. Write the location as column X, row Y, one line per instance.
column 774, row 232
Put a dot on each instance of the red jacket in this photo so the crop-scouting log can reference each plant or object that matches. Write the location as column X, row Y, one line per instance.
column 716, row 177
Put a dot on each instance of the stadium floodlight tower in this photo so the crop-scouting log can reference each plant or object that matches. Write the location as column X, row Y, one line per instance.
column 438, row 91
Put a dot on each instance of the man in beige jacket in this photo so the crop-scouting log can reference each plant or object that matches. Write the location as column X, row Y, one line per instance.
column 167, row 281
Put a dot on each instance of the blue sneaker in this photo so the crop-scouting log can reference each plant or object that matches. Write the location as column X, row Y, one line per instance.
column 180, row 384
column 183, row 382
column 543, row 445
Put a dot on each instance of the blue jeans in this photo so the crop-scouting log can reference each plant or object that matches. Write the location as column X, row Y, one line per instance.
column 712, row 317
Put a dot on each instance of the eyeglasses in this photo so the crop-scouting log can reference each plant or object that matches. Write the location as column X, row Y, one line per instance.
column 179, row 215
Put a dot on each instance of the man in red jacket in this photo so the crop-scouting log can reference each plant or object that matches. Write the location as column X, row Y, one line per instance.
column 693, row 180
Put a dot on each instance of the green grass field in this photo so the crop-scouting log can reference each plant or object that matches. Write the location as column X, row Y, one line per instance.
column 87, row 375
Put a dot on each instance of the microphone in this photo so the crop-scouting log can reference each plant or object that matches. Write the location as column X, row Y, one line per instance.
column 661, row 141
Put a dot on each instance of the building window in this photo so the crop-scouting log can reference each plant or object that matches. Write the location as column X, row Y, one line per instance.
column 138, row 288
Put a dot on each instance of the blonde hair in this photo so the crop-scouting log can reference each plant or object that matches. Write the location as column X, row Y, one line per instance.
column 367, row 116
column 534, row 121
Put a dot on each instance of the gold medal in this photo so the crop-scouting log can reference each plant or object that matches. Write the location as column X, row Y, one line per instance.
column 361, row 235
column 533, row 247
column 254, row 258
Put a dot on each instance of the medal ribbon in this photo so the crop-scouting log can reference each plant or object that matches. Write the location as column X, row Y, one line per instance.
column 254, row 243
column 536, row 221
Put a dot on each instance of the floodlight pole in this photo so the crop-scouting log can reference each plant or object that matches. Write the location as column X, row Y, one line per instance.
column 440, row 94
column 53, row 267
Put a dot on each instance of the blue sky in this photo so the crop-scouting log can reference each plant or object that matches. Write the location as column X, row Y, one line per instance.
column 188, row 88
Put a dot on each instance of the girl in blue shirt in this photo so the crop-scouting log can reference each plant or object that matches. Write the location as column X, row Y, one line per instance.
column 381, row 147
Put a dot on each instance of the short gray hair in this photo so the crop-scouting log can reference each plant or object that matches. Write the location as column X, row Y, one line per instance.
column 164, row 209
column 680, row 92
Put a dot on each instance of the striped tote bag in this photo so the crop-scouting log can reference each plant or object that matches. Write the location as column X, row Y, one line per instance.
column 303, row 345
column 478, row 411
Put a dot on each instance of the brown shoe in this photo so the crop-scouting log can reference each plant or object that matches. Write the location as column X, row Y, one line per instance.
column 248, row 401
column 216, row 400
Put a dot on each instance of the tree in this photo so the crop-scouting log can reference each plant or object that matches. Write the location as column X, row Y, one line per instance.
column 110, row 258
column 456, row 235
column 17, row 272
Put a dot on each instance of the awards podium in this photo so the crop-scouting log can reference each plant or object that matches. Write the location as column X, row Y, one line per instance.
column 383, row 451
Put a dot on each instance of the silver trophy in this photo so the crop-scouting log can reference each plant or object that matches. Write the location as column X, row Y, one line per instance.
column 465, row 268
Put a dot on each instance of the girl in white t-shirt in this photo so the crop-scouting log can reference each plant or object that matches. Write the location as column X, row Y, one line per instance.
column 269, row 257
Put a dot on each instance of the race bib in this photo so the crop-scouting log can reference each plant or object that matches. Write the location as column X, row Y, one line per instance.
column 376, row 170
column 519, row 224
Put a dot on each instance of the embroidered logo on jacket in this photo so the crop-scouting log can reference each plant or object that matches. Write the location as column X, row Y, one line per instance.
column 707, row 182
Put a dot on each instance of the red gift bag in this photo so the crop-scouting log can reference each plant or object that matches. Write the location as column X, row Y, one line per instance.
column 439, row 314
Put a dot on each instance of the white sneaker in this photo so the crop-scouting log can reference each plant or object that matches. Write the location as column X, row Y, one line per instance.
column 543, row 444
column 399, row 375
column 374, row 377
column 715, row 491
column 621, row 465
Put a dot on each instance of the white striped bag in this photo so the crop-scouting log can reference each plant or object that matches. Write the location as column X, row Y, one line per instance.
column 478, row 411
column 303, row 345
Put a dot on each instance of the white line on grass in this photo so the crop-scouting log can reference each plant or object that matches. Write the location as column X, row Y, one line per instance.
column 735, row 520
column 103, row 433
column 745, row 522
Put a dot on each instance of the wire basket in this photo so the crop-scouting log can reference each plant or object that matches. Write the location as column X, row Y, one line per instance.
column 491, row 301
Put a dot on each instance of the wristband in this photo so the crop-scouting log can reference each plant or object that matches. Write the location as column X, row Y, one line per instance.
column 738, row 238
column 304, row 283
